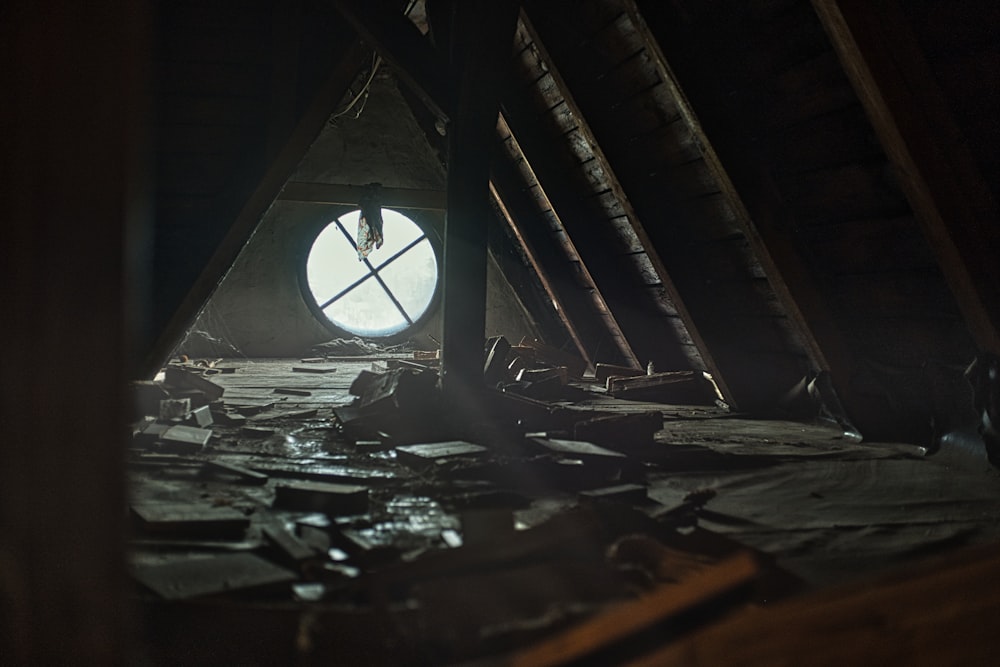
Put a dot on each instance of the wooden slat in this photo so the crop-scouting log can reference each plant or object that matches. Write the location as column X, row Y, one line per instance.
column 618, row 193
column 748, row 187
column 937, row 172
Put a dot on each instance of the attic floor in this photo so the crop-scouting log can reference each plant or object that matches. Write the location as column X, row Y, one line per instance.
column 822, row 510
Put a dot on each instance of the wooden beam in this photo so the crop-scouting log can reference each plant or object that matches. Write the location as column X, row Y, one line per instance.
column 355, row 57
column 567, row 248
column 633, row 218
column 616, row 292
column 350, row 195
column 401, row 44
column 548, row 262
column 541, row 274
column 74, row 177
column 749, row 188
column 936, row 169
column 482, row 32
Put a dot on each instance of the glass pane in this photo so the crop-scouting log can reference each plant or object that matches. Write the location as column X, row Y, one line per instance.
column 412, row 278
column 398, row 231
column 366, row 311
column 333, row 261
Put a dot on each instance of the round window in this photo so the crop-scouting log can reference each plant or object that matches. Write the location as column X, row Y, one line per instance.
column 377, row 295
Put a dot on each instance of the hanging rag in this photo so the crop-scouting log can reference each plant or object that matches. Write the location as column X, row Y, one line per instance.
column 370, row 221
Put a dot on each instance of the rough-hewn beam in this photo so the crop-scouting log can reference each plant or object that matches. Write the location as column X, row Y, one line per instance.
column 329, row 193
column 936, row 169
column 354, row 58
column 748, row 185
column 535, row 260
column 481, row 35
column 600, row 303
column 401, row 44
column 633, row 218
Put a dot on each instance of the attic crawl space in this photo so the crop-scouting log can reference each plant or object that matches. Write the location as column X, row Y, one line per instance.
column 552, row 332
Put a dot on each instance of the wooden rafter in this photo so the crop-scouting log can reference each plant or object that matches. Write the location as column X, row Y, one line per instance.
column 590, row 315
column 535, row 260
column 764, row 218
column 330, row 193
column 936, row 169
column 399, row 42
column 482, row 32
column 353, row 59
column 633, row 218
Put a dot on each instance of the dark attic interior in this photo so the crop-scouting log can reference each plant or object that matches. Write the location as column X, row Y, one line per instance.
column 484, row 332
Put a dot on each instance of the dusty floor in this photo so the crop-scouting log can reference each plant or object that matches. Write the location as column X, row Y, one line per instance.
column 820, row 508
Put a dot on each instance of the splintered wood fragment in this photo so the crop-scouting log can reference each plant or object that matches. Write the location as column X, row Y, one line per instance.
column 620, row 431
column 321, row 497
column 245, row 475
column 555, row 357
column 626, row 493
column 576, row 448
column 189, row 519
column 292, row 549
column 495, row 365
column 292, row 392
column 186, row 438
column 185, row 379
column 196, row 577
column 430, row 453
column 560, row 373
column 361, row 383
column 202, row 416
column 678, row 387
column 314, row 369
column 619, row 623
column 256, row 432
column 604, row 371
column 426, row 355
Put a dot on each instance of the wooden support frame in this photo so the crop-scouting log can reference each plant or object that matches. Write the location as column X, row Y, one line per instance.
column 936, row 169
column 601, row 304
column 765, row 220
column 350, row 195
column 535, row 261
column 633, row 218
column 399, row 41
column 355, row 57
column 400, row 44
column 482, row 32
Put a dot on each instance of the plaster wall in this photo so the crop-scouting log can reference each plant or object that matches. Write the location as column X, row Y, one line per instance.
column 259, row 309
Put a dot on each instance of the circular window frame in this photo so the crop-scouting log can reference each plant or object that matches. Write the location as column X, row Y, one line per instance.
column 422, row 219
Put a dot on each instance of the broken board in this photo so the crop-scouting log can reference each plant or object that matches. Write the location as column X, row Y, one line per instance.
column 430, row 453
column 196, row 577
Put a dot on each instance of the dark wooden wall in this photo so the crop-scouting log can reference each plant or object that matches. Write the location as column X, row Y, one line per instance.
column 72, row 177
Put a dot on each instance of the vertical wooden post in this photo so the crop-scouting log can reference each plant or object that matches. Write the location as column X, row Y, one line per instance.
column 480, row 36
column 71, row 159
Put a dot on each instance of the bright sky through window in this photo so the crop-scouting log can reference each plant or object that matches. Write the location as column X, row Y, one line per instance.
column 384, row 293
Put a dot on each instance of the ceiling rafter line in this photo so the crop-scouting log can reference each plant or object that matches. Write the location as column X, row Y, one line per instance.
column 542, row 274
column 613, row 325
column 353, row 59
column 400, row 43
column 635, row 222
column 938, row 173
column 550, row 253
column 766, row 229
